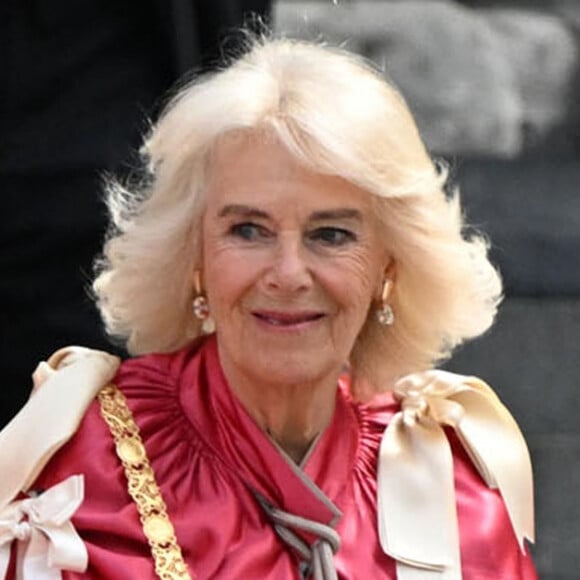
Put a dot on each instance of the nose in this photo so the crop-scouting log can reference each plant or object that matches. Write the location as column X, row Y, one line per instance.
column 289, row 270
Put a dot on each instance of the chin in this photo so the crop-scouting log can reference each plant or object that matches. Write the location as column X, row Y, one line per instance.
column 293, row 368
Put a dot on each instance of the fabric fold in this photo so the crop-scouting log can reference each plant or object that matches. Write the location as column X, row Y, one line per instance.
column 319, row 557
column 52, row 414
column 47, row 540
column 420, row 530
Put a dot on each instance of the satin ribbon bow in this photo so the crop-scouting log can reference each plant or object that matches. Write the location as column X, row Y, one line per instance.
column 417, row 515
column 47, row 539
column 51, row 415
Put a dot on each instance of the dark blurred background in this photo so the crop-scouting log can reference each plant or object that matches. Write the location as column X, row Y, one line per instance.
column 79, row 81
column 495, row 86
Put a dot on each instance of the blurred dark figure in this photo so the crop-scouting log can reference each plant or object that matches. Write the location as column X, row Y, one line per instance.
column 79, row 80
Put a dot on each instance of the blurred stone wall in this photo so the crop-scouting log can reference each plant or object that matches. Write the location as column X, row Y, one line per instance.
column 492, row 80
column 495, row 87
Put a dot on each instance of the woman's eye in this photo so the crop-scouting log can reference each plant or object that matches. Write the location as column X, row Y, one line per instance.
column 331, row 236
column 249, row 231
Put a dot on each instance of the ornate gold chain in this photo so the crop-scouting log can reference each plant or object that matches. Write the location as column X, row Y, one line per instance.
column 157, row 527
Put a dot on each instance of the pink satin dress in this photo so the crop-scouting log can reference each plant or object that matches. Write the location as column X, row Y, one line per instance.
column 221, row 477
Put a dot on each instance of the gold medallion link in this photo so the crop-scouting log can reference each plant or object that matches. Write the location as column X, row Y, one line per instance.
column 142, row 486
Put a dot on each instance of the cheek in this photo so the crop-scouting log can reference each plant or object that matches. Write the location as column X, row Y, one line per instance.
column 353, row 287
column 219, row 280
column 228, row 276
column 359, row 276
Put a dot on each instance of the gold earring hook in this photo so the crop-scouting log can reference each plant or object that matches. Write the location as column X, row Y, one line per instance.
column 387, row 287
column 197, row 282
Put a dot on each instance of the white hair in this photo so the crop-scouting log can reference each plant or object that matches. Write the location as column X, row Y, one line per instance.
column 338, row 116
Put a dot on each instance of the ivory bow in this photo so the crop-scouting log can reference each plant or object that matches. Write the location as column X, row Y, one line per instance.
column 417, row 515
column 47, row 539
column 51, row 415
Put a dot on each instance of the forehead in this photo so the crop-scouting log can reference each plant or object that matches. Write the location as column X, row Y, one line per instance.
column 257, row 168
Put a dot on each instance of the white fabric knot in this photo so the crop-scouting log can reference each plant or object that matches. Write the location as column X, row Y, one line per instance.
column 414, row 406
column 426, row 397
column 21, row 531
column 47, row 540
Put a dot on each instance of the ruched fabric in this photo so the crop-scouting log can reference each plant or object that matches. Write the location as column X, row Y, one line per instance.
column 231, row 492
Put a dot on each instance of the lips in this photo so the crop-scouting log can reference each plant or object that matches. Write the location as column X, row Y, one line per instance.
column 287, row 319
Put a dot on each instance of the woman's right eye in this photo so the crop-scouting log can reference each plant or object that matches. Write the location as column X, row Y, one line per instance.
column 249, row 231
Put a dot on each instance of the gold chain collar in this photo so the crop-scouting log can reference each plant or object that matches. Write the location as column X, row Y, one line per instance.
column 142, row 486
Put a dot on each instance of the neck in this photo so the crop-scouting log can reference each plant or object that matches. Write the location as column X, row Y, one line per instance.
column 293, row 415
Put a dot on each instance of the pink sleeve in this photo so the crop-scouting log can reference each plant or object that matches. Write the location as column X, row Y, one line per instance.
column 489, row 547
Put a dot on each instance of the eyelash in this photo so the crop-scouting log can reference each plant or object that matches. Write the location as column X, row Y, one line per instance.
column 327, row 236
column 323, row 234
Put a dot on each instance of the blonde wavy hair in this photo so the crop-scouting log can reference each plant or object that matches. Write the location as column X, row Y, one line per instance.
column 338, row 116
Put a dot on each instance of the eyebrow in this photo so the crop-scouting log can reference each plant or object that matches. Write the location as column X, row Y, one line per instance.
column 337, row 214
column 241, row 210
column 322, row 215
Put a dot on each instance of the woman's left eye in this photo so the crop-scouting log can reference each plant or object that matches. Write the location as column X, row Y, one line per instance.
column 332, row 236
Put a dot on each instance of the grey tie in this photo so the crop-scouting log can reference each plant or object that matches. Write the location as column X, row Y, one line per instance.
column 319, row 557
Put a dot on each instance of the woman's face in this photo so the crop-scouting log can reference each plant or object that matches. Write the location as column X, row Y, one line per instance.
column 291, row 263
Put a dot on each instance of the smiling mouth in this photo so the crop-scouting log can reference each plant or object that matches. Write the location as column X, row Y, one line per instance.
column 287, row 319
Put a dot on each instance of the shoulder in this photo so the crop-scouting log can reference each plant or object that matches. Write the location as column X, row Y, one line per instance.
column 450, row 437
column 150, row 385
column 160, row 370
column 490, row 547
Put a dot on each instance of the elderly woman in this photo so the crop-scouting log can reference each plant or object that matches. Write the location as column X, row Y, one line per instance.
column 288, row 271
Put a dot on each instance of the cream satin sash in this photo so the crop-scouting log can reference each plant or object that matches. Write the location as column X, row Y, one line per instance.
column 47, row 421
column 417, row 516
